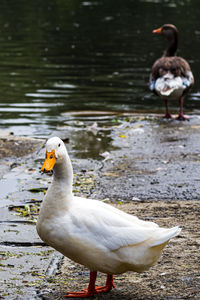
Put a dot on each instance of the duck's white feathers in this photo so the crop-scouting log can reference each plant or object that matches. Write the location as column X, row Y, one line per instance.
column 111, row 228
column 96, row 234
column 104, row 238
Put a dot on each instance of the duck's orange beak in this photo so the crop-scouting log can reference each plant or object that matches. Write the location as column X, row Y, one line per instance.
column 49, row 162
column 158, row 31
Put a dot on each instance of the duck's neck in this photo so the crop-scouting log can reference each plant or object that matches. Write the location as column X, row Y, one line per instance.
column 63, row 175
column 60, row 192
column 172, row 46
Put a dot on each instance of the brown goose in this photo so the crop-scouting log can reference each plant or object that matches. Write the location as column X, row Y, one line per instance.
column 171, row 76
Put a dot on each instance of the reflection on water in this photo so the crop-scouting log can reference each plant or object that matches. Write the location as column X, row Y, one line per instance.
column 89, row 133
column 87, row 144
column 61, row 56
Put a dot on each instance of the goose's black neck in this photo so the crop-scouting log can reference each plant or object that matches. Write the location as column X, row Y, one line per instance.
column 172, row 45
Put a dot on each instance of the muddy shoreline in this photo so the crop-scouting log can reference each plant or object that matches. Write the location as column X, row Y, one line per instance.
column 151, row 168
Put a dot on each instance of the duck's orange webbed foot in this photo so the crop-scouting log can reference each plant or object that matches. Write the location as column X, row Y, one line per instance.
column 92, row 289
column 89, row 292
column 109, row 285
column 85, row 294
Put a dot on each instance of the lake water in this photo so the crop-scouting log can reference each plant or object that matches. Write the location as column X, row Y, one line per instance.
column 58, row 57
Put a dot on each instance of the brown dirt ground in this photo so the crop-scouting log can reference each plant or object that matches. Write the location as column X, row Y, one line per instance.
column 177, row 274
column 11, row 146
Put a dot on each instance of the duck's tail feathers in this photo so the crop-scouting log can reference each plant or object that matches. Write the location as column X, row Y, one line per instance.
column 165, row 235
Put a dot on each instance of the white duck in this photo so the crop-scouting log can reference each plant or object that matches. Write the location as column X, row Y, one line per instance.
column 93, row 233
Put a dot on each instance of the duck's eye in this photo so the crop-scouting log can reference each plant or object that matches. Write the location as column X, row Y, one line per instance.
column 51, row 156
column 59, row 145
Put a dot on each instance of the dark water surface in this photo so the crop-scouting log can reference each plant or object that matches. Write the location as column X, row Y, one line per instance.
column 59, row 56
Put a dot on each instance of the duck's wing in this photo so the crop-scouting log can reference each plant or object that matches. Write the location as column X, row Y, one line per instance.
column 102, row 227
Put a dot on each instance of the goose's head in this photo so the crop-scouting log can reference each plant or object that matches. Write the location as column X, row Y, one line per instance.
column 170, row 32
column 55, row 153
column 167, row 30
